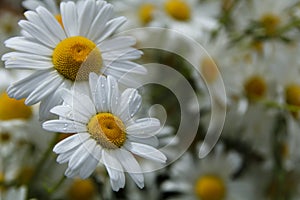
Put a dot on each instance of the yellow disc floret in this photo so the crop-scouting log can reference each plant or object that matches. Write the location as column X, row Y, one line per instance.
column 210, row 187
column 292, row 94
column 82, row 189
column 75, row 57
column 270, row 23
column 2, row 179
column 178, row 9
column 145, row 13
column 13, row 109
column 255, row 87
column 108, row 130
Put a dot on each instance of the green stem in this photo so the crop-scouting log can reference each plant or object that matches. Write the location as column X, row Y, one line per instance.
column 41, row 163
column 57, row 185
column 279, row 176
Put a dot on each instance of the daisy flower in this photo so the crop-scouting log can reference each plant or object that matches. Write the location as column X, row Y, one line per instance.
column 207, row 179
column 62, row 52
column 106, row 132
column 269, row 15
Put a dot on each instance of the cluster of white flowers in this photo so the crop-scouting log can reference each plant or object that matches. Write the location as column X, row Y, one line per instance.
column 72, row 122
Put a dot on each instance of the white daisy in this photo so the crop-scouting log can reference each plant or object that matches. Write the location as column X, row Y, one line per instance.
column 106, row 132
column 269, row 15
column 62, row 53
column 207, row 179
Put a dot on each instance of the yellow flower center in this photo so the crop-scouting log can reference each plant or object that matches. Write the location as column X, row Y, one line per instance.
column 5, row 137
column 292, row 95
column 178, row 9
column 2, row 179
column 75, row 57
column 255, row 87
column 258, row 46
column 13, row 109
column 210, row 187
column 25, row 175
column 209, row 69
column 108, row 130
column 82, row 189
column 145, row 13
column 270, row 23
column 59, row 19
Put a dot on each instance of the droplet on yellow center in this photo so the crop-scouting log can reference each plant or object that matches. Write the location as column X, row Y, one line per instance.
column 13, row 109
column 75, row 57
column 108, row 130
column 82, row 189
column 145, row 13
column 59, row 19
column 292, row 94
column 209, row 69
column 255, row 87
column 210, row 187
column 270, row 22
column 178, row 9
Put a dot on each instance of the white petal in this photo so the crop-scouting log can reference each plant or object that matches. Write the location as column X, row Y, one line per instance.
column 71, row 173
column 80, row 155
column 145, row 127
column 86, row 17
column 125, row 67
column 64, row 126
column 34, row 18
column 38, row 33
column 51, row 23
column 130, row 164
column 110, row 160
column 129, row 105
column 93, row 78
column 152, row 141
column 113, row 95
column 81, row 104
column 32, row 4
column 65, row 157
column 110, row 28
column 22, row 44
column 101, row 102
column 44, row 89
column 67, row 113
column 122, row 55
column 24, row 87
column 50, row 102
column 69, row 18
column 99, row 23
column 17, row 55
column 70, row 142
column 146, row 151
column 88, row 167
column 117, row 43
column 27, row 63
